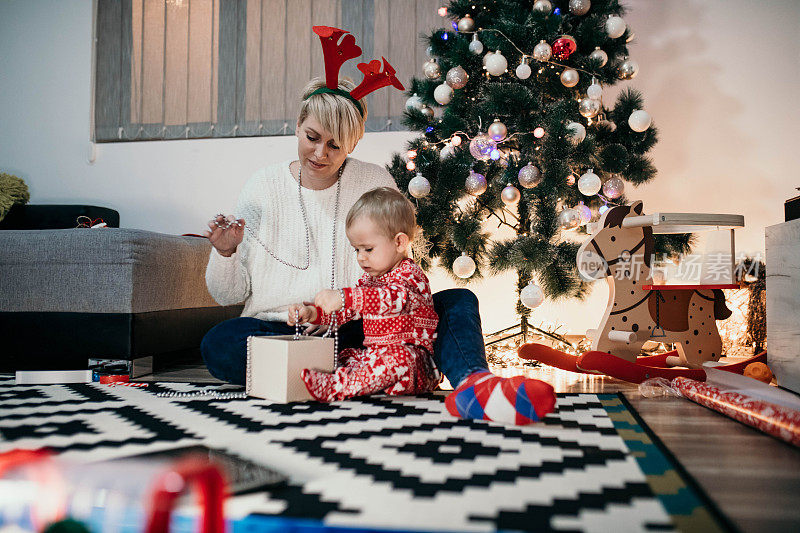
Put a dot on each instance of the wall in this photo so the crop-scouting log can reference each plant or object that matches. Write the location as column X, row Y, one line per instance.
column 718, row 77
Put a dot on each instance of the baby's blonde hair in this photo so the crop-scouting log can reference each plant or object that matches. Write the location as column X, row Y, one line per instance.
column 392, row 212
column 338, row 115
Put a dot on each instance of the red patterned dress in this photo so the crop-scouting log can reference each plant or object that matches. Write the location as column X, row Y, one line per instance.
column 399, row 330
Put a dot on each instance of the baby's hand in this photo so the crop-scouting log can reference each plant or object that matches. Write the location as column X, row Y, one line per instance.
column 304, row 313
column 329, row 300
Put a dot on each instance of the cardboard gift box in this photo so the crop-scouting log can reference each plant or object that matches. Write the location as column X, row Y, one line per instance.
column 274, row 364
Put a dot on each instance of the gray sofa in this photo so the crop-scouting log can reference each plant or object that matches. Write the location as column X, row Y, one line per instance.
column 67, row 295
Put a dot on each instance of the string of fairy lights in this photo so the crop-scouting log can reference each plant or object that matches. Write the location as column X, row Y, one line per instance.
column 488, row 145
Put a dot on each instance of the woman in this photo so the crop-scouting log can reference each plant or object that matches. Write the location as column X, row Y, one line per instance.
column 290, row 242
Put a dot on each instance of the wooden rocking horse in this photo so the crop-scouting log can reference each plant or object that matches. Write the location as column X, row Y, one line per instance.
column 621, row 252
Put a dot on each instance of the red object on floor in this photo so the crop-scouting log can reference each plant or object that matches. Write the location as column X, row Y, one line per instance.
column 108, row 379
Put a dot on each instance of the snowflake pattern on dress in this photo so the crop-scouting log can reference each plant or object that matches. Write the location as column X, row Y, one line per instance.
column 399, row 330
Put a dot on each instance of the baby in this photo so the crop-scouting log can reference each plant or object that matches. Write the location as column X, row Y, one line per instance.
column 393, row 298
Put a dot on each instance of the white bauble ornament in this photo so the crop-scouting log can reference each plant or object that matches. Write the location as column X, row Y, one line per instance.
column 427, row 111
column 497, row 130
column 443, row 94
column 464, row 266
column 588, row 107
column 585, row 212
column 481, row 146
column 542, row 51
column 497, row 64
column 486, row 57
column 615, row 27
column 457, row 77
column 569, row 219
column 598, row 54
column 542, row 6
column 466, row 23
column 628, row 69
column 431, row 69
column 419, row 186
column 640, row 120
column 529, row 176
column 569, row 78
column 510, row 195
column 579, row 7
column 476, row 47
column 577, row 132
column 589, row 184
column 523, row 71
column 595, row 90
column 446, row 152
column 475, row 183
column 613, row 187
column 531, row 296
column 414, row 102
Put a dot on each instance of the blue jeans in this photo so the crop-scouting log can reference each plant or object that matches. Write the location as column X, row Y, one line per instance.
column 458, row 350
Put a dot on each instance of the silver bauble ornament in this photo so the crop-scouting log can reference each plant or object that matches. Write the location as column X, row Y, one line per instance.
column 466, row 23
column 510, row 195
column 542, row 6
column 529, row 176
column 595, row 90
column 588, row 107
column 419, row 186
column 615, row 27
column 464, row 266
column 613, row 187
column 640, row 120
column 476, row 47
column 481, row 146
column 599, row 55
column 531, row 296
column 579, row 7
column 497, row 130
column 443, row 94
column 542, row 51
column 497, row 64
column 457, row 77
column 446, row 152
column 628, row 69
column 589, row 184
column 414, row 102
column 569, row 218
column 523, row 71
column 569, row 78
column 427, row 111
column 475, row 183
column 576, row 132
column 431, row 69
column 429, row 51
column 584, row 211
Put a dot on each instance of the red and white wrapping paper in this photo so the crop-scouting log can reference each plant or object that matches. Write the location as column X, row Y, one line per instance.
column 775, row 420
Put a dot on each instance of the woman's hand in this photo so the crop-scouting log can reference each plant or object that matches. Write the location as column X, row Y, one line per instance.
column 225, row 233
column 329, row 300
column 300, row 314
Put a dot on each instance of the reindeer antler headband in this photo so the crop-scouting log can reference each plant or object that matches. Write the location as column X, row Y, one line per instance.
column 337, row 53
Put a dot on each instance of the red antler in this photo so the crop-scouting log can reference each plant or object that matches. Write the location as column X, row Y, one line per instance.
column 335, row 53
column 374, row 79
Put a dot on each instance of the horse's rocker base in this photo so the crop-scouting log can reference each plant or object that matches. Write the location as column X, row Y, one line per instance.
column 274, row 364
column 650, row 366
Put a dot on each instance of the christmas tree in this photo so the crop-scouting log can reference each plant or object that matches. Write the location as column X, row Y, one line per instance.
column 522, row 136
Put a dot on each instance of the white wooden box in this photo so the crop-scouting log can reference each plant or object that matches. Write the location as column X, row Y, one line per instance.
column 274, row 364
column 783, row 302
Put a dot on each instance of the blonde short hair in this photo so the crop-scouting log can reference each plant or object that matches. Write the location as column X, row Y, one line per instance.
column 392, row 212
column 338, row 115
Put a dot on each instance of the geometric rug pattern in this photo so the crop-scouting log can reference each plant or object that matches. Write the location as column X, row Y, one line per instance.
column 383, row 463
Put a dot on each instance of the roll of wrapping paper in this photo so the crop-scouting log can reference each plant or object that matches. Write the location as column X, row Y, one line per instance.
column 775, row 420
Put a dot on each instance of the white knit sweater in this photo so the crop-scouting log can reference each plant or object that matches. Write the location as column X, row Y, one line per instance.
column 270, row 206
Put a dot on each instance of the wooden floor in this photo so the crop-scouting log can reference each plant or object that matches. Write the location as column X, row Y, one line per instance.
column 754, row 479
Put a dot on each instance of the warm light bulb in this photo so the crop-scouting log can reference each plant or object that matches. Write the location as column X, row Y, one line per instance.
column 411, row 165
column 456, row 140
column 538, row 132
column 442, row 11
column 411, row 154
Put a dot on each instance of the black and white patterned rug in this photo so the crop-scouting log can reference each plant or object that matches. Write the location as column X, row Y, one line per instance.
column 375, row 463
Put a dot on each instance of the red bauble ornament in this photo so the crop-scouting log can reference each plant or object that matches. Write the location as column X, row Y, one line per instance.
column 563, row 47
